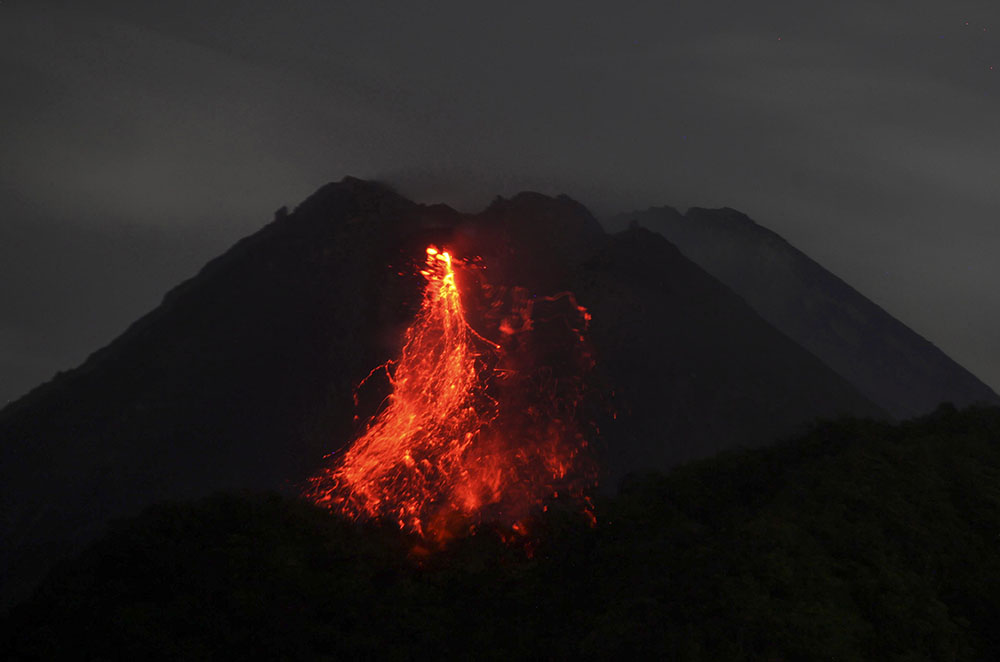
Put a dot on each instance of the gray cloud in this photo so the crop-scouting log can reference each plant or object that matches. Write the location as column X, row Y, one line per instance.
column 865, row 135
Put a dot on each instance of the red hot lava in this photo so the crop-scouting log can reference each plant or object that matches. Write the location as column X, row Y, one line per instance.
column 473, row 431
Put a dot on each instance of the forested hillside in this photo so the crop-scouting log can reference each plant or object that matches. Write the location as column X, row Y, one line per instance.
column 858, row 540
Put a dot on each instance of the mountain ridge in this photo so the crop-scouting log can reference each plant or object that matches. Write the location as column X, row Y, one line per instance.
column 886, row 360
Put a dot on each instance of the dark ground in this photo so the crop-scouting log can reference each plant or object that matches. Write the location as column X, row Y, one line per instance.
column 858, row 540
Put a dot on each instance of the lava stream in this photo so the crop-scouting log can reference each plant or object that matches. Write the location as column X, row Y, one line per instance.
column 444, row 449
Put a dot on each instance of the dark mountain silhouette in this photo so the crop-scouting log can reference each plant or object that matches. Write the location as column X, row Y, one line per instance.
column 883, row 358
column 244, row 376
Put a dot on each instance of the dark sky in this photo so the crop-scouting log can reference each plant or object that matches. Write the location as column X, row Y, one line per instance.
column 141, row 139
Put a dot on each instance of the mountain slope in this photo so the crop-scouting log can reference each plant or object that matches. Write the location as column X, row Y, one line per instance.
column 887, row 361
column 695, row 368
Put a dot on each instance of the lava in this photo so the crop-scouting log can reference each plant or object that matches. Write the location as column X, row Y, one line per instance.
column 473, row 431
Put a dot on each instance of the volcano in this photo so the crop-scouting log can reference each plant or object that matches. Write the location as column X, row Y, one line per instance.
column 247, row 376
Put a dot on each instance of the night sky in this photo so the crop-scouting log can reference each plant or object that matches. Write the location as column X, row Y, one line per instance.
column 141, row 139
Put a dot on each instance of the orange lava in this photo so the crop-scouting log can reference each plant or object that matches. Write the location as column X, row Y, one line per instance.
column 470, row 432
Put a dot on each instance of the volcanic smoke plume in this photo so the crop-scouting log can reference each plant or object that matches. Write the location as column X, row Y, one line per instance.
column 473, row 430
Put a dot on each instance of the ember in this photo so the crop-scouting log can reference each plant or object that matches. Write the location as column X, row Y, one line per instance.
column 473, row 430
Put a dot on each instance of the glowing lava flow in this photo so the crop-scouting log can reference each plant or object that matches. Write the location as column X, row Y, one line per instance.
column 441, row 452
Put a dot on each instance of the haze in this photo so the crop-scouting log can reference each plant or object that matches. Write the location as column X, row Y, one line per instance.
column 141, row 140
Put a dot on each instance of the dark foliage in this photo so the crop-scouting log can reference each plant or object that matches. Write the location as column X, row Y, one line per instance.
column 858, row 540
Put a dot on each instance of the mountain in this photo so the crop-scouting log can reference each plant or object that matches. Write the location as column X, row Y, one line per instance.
column 244, row 377
column 883, row 358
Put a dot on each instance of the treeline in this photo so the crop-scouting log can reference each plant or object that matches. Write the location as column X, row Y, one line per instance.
column 859, row 540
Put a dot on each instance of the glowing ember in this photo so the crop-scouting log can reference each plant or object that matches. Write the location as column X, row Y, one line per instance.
column 473, row 430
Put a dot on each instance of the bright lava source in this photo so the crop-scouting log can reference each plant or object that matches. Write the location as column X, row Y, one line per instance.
column 461, row 439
